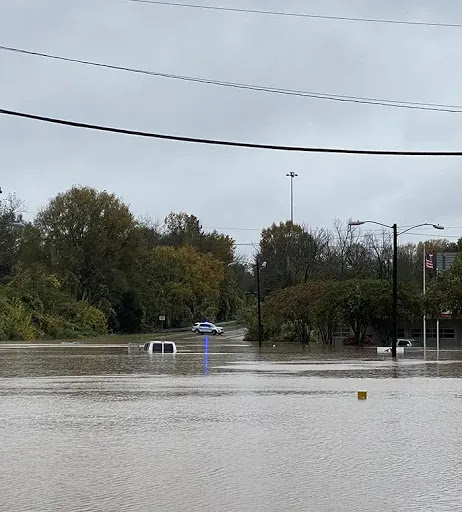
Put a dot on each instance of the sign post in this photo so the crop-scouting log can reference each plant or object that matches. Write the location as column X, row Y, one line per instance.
column 162, row 320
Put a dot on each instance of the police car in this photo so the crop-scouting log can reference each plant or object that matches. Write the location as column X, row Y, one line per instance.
column 207, row 327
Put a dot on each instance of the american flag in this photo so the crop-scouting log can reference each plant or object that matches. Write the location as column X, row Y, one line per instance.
column 429, row 261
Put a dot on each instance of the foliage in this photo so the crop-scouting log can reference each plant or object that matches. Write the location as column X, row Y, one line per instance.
column 292, row 255
column 15, row 320
column 180, row 283
column 291, row 312
column 357, row 303
column 181, row 229
column 327, row 312
column 10, row 218
column 85, row 266
column 86, row 235
column 36, row 306
column 445, row 293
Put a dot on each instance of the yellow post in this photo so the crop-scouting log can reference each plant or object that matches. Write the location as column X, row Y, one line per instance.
column 362, row 395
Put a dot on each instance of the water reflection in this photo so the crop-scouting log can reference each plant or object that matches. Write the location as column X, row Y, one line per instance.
column 206, row 355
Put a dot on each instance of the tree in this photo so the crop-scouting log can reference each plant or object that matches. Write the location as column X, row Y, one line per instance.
column 368, row 302
column 292, row 254
column 181, row 229
column 290, row 311
column 356, row 301
column 10, row 214
column 327, row 311
column 180, row 282
column 445, row 293
column 87, row 236
column 129, row 313
column 44, row 309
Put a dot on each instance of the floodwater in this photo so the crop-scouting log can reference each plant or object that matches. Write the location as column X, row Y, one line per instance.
column 223, row 427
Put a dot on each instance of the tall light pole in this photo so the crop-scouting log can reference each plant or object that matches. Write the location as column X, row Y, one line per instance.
column 292, row 175
column 394, row 314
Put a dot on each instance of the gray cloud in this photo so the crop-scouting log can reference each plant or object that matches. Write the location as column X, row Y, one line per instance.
column 234, row 187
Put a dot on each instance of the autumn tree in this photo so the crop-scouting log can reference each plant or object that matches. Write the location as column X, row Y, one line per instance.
column 87, row 237
column 180, row 282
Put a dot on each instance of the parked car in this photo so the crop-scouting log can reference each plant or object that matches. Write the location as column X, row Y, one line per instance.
column 207, row 327
column 408, row 342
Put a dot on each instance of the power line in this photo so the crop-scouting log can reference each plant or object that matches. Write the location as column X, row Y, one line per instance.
column 364, row 100
column 232, row 229
column 229, row 143
column 428, row 236
column 431, row 235
column 300, row 15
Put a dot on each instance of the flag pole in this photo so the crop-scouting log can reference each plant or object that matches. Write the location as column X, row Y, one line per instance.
column 437, row 338
column 424, row 255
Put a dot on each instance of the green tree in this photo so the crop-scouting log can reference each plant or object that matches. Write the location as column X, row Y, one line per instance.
column 292, row 254
column 180, row 282
column 445, row 292
column 327, row 312
column 356, row 303
column 290, row 312
column 88, row 237
column 181, row 229
column 10, row 216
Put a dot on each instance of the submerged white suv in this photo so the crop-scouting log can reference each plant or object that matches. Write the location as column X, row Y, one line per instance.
column 207, row 327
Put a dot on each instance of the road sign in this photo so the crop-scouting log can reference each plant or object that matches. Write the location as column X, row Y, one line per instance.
column 445, row 260
column 162, row 318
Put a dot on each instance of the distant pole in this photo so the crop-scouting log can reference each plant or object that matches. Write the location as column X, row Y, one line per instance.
column 424, row 257
column 291, row 175
column 395, row 292
column 260, row 334
column 437, row 337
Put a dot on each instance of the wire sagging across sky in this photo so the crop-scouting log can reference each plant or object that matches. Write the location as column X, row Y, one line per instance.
column 300, row 15
column 434, row 107
column 229, row 143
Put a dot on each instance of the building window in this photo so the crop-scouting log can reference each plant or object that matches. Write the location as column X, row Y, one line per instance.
column 417, row 333
column 444, row 333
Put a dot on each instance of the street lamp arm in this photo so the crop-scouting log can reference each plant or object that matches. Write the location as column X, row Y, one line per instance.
column 361, row 222
column 395, row 271
column 436, row 226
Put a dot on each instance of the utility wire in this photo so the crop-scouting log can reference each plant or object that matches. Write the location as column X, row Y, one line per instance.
column 229, row 143
column 428, row 236
column 435, row 107
column 232, row 229
column 299, row 15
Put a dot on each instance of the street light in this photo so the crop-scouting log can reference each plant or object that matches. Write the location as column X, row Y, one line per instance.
column 258, row 266
column 292, row 175
column 394, row 227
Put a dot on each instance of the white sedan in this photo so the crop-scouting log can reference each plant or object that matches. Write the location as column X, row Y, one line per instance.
column 207, row 327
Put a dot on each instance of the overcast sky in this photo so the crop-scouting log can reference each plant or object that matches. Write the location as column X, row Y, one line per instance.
column 226, row 187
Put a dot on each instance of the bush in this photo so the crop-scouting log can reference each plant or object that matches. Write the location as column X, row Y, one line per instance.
column 15, row 320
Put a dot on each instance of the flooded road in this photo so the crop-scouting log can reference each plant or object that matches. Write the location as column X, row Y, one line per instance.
column 221, row 426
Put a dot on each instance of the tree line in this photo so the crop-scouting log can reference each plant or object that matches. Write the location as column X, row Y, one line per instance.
column 85, row 266
column 315, row 281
